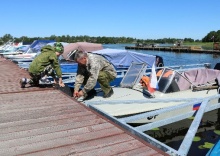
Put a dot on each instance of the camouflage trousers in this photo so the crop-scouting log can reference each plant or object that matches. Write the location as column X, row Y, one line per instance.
column 104, row 79
column 48, row 71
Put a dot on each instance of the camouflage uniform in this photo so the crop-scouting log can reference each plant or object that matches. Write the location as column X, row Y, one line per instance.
column 44, row 64
column 97, row 69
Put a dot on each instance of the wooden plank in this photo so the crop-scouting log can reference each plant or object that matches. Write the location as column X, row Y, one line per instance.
column 39, row 108
column 22, row 100
column 84, row 146
column 52, row 129
column 47, row 124
column 16, row 116
column 114, row 149
column 54, row 135
column 9, row 81
column 49, row 144
column 143, row 151
column 44, row 119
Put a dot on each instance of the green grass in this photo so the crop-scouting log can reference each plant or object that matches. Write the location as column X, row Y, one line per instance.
column 204, row 45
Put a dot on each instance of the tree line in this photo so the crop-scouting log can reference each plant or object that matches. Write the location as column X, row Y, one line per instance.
column 213, row 36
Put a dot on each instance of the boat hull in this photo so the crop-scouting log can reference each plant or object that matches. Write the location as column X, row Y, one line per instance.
column 128, row 102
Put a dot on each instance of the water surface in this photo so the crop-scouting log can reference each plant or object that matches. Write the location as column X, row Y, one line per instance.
column 174, row 58
column 173, row 134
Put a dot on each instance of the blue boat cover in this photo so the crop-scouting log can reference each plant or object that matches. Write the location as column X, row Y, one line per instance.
column 123, row 58
column 38, row 44
column 120, row 58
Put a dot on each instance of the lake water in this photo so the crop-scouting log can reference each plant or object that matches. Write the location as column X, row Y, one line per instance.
column 173, row 134
column 174, row 58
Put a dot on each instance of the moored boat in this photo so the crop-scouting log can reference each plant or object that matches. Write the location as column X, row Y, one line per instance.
column 174, row 90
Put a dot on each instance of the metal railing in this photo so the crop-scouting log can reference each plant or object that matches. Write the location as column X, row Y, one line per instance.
column 139, row 130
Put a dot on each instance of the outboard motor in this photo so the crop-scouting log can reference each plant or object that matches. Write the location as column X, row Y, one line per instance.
column 217, row 66
column 159, row 61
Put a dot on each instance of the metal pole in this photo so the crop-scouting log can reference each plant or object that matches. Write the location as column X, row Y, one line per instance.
column 213, row 43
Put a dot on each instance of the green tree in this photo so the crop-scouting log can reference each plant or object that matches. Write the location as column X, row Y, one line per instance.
column 188, row 40
column 7, row 37
column 212, row 36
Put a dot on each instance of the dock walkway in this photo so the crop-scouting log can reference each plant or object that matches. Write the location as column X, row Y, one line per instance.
column 44, row 122
column 174, row 49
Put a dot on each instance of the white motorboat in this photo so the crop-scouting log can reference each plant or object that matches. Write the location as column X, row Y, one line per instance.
column 175, row 88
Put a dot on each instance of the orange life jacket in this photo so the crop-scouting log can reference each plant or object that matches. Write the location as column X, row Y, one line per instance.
column 145, row 82
column 145, row 79
column 166, row 74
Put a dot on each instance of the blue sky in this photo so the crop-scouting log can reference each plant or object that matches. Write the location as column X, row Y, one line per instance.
column 141, row 19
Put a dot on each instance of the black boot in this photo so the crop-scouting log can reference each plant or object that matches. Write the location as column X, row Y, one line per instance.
column 110, row 93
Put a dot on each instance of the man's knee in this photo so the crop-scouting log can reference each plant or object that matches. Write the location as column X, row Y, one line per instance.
column 102, row 75
column 48, row 70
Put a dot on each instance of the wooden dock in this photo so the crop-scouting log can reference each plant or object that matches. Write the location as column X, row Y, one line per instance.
column 46, row 122
column 174, row 49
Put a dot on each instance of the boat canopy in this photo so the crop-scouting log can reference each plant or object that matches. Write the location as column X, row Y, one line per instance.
column 123, row 58
column 37, row 45
column 83, row 46
column 170, row 80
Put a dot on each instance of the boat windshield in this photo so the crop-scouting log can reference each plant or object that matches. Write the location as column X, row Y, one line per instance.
column 170, row 80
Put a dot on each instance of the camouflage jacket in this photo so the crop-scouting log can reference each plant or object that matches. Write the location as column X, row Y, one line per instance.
column 95, row 64
column 45, row 58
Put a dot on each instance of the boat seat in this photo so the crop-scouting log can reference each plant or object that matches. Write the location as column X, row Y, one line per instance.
column 166, row 87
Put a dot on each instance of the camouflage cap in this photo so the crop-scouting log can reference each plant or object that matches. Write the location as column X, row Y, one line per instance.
column 58, row 47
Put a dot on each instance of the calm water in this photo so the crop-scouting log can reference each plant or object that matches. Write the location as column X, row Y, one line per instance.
column 173, row 134
column 173, row 58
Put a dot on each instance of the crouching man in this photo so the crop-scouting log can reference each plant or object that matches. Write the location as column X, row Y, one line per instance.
column 44, row 65
column 93, row 68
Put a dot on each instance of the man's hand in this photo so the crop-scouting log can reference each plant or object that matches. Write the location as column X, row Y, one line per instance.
column 61, row 82
column 55, row 81
column 77, row 94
